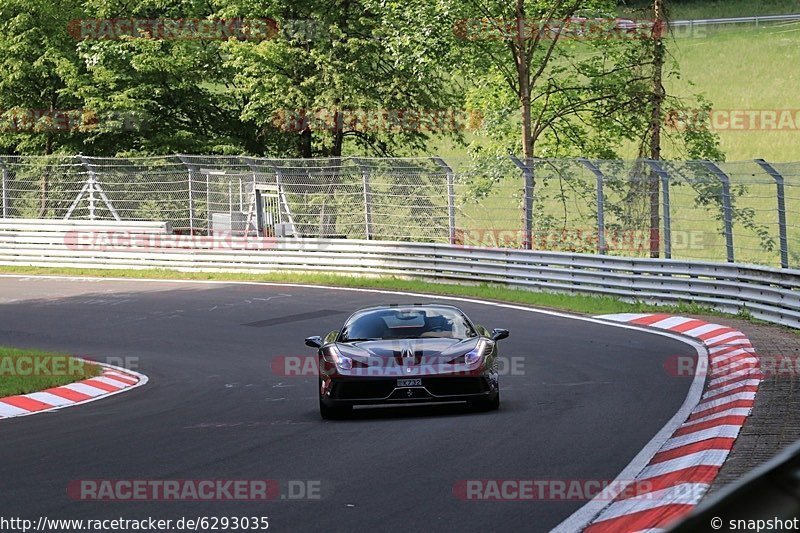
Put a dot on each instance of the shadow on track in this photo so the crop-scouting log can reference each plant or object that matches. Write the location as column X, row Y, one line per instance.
column 389, row 412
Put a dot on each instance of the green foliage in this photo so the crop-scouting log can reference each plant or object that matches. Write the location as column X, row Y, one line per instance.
column 38, row 68
column 160, row 95
column 139, row 95
column 357, row 56
column 744, row 313
column 705, row 9
column 53, row 370
column 590, row 93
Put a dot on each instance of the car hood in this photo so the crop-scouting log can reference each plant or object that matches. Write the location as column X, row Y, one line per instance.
column 408, row 351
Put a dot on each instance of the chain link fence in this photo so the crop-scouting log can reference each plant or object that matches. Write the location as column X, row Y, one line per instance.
column 745, row 211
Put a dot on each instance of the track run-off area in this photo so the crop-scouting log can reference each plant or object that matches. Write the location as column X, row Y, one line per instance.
column 580, row 400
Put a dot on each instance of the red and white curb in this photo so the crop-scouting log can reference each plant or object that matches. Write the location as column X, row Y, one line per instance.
column 113, row 380
column 681, row 471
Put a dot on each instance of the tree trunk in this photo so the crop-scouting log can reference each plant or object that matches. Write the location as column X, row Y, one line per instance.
column 657, row 101
column 305, row 143
column 524, row 80
column 527, row 128
column 338, row 133
column 523, row 76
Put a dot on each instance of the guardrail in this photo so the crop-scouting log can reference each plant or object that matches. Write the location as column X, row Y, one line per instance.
column 737, row 20
column 745, row 211
column 59, row 225
column 768, row 294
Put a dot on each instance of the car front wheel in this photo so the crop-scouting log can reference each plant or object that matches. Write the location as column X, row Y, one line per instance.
column 486, row 405
column 329, row 412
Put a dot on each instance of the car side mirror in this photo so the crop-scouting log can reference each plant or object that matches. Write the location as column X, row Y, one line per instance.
column 314, row 342
column 498, row 334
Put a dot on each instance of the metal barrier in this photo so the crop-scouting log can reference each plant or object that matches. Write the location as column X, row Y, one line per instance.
column 745, row 212
column 49, row 224
column 768, row 294
column 761, row 19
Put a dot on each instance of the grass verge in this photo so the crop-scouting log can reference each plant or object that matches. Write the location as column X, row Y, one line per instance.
column 693, row 9
column 593, row 305
column 25, row 371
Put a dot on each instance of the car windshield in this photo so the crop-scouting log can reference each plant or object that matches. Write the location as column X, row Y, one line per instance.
column 406, row 323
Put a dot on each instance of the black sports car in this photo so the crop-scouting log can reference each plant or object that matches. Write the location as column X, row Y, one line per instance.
column 407, row 353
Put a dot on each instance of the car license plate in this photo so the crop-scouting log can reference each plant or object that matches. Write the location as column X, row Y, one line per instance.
column 409, row 382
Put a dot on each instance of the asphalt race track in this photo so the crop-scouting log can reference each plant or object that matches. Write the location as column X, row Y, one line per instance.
column 590, row 396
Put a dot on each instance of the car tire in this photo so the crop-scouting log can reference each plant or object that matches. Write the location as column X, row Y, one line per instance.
column 486, row 405
column 329, row 412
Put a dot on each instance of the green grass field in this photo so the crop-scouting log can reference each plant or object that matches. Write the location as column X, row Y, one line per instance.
column 735, row 68
column 25, row 371
column 692, row 9
column 593, row 305
column 696, row 231
column 744, row 68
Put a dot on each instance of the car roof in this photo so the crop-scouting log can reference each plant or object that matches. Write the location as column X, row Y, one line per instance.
column 376, row 308
column 417, row 305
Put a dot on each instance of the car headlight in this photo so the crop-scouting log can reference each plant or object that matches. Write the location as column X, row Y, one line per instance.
column 332, row 355
column 475, row 354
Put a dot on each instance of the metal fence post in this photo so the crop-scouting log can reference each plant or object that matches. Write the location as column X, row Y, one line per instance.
column 281, row 196
column 367, row 198
column 208, row 202
column 727, row 208
column 258, row 202
column 91, row 187
column 664, row 177
column 190, row 168
column 5, row 173
column 253, row 205
column 256, row 206
column 451, row 198
column 601, row 200
column 284, row 211
column 769, row 169
column 527, row 209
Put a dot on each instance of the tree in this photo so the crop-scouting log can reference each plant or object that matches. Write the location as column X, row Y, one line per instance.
column 700, row 144
column 39, row 112
column 176, row 90
column 656, row 112
column 339, row 65
column 566, row 77
column 38, row 64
